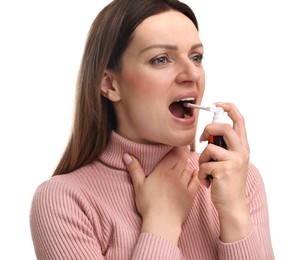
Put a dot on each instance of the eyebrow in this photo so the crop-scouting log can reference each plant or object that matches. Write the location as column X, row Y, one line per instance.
column 169, row 47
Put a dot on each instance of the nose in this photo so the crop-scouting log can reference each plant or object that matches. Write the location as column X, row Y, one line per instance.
column 188, row 71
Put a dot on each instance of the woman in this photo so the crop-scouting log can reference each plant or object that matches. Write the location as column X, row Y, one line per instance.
column 128, row 186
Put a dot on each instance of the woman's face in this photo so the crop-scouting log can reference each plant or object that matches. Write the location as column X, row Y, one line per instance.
column 161, row 66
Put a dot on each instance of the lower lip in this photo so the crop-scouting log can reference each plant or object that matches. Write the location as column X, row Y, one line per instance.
column 185, row 121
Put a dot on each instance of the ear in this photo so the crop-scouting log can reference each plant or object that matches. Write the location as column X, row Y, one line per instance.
column 110, row 87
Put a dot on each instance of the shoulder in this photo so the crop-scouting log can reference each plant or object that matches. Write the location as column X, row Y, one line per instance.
column 60, row 201
column 66, row 188
column 79, row 188
column 56, row 192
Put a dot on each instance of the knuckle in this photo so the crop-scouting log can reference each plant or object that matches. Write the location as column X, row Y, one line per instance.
column 241, row 119
column 226, row 128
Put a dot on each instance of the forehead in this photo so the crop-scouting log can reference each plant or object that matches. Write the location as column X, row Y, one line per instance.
column 167, row 27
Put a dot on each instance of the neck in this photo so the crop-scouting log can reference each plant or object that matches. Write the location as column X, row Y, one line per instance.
column 149, row 155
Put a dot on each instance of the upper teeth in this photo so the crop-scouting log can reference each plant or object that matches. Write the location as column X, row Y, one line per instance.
column 185, row 99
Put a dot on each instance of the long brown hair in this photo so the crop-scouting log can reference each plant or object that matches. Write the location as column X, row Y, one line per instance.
column 109, row 36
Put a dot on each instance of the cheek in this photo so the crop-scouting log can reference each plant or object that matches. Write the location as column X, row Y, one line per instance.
column 143, row 84
column 202, row 86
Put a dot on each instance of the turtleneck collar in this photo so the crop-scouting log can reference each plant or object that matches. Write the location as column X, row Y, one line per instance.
column 149, row 155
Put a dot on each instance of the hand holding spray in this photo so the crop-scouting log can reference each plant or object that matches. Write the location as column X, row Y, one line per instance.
column 217, row 119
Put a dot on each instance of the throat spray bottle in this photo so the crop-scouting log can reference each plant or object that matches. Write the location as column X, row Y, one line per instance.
column 217, row 140
column 218, row 119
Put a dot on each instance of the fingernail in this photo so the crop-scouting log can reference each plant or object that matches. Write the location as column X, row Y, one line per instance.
column 127, row 159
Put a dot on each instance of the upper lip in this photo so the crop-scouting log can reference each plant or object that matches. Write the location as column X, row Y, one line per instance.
column 192, row 96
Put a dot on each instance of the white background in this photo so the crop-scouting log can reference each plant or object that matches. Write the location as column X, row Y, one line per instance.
column 253, row 58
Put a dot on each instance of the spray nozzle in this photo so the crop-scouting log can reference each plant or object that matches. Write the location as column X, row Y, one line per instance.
column 218, row 111
column 219, row 116
column 190, row 105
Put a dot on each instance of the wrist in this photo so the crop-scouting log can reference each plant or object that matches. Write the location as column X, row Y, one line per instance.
column 235, row 225
column 163, row 228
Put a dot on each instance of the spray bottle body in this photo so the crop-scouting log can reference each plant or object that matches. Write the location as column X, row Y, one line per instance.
column 218, row 119
column 217, row 140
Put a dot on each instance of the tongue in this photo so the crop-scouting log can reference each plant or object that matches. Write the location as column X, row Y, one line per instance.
column 177, row 109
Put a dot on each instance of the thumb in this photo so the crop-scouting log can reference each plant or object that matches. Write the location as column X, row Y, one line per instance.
column 134, row 169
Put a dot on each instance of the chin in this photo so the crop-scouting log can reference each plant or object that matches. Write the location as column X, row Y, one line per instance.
column 183, row 139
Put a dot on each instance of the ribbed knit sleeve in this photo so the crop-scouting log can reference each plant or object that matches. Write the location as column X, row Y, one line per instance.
column 61, row 224
column 151, row 246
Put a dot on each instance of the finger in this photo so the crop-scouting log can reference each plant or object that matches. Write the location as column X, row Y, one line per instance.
column 194, row 183
column 238, row 120
column 230, row 136
column 182, row 163
column 135, row 170
column 205, row 174
column 213, row 152
column 186, row 176
column 209, row 169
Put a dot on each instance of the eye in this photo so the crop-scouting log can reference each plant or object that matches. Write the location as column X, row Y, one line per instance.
column 197, row 58
column 160, row 60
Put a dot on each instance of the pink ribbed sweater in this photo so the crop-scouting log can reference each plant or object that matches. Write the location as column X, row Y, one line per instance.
column 90, row 214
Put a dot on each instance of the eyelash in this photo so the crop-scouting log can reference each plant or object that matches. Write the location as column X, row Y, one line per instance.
column 200, row 58
column 197, row 58
column 157, row 60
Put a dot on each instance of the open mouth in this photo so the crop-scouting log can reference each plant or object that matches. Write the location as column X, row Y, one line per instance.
column 177, row 108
